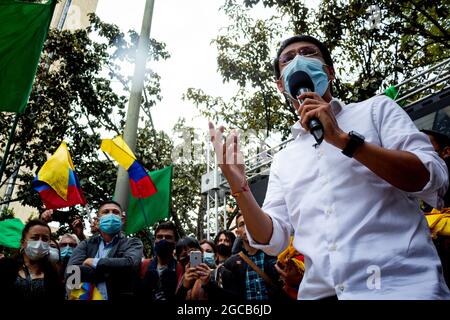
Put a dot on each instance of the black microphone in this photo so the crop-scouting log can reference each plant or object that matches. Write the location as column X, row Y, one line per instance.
column 299, row 83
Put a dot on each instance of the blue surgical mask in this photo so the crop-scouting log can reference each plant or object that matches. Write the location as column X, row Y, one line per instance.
column 210, row 259
column 66, row 252
column 313, row 67
column 110, row 223
column 53, row 255
column 37, row 249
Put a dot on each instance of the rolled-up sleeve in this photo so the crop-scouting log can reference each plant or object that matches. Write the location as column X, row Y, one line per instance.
column 275, row 206
column 398, row 132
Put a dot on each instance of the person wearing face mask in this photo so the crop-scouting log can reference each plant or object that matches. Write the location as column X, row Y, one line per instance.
column 224, row 241
column 351, row 200
column 192, row 286
column 439, row 220
column 209, row 253
column 67, row 243
column 162, row 274
column 33, row 275
column 109, row 260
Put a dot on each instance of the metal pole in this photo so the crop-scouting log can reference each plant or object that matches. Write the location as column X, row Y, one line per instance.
column 225, row 216
column 8, row 146
column 216, row 196
column 10, row 186
column 216, row 209
column 208, row 208
column 423, row 72
column 122, row 190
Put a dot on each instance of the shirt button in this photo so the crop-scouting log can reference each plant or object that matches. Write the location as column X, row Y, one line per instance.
column 329, row 211
column 340, row 287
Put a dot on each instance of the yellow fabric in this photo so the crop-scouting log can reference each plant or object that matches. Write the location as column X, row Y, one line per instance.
column 55, row 172
column 82, row 293
column 119, row 151
column 439, row 222
column 288, row 254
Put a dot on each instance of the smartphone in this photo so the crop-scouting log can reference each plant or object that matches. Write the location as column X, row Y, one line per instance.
column 195, row 258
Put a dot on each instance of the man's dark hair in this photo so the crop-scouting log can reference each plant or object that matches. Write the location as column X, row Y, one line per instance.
column 442, row 139
column 110, row 202
column 32, row 223
column 230, row 235
column 168, row 225
column 186, row 243
column 323, row 49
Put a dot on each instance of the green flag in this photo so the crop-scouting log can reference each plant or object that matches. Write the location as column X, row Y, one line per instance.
column 23, row 29
column 11, row 232
column 147, row 211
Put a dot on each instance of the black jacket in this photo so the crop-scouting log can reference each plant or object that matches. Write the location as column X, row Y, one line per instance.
column 120, row 269
column 9, row 270
column 157, row 287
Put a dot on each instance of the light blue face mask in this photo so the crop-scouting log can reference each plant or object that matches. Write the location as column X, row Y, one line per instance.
column 313, row 67
column 66, row 252
column 209, row 259
column 110, row 223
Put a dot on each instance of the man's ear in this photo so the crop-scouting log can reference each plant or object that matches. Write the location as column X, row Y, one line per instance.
column 446, row 152
column 330, row 72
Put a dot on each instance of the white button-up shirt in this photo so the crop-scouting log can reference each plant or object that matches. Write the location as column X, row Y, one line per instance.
column 362, row 238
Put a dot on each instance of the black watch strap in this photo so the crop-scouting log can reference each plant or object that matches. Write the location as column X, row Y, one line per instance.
column 355, row 141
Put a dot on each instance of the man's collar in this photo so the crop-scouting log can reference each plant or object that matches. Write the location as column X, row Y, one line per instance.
column 116, row 237
column 336, row 106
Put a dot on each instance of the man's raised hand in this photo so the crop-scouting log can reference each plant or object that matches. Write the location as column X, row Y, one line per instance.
column 229, row 157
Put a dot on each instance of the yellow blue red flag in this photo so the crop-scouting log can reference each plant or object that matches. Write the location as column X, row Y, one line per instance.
column 57, row 183
column 141, row 184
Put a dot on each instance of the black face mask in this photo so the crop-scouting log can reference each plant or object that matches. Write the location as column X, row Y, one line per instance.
column 184, row 261
column 164, row 248
column 224, row 250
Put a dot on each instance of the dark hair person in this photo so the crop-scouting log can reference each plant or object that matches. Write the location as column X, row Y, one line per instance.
column 35, row 277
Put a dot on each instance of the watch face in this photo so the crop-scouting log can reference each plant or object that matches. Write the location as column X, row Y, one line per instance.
column 356, row 134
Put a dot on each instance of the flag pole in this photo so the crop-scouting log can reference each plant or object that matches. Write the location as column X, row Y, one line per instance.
column 8, row 146
column 122, row 190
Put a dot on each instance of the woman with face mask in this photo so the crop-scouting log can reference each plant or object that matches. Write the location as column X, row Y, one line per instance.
column 36, row 277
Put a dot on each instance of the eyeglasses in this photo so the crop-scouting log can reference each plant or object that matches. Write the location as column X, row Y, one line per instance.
column 72, row 245
column 308, row 51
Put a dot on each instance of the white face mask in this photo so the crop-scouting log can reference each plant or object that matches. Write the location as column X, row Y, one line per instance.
column 53, row 255
column 36, row 250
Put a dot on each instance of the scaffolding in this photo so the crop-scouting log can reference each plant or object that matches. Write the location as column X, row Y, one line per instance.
column 420, row 95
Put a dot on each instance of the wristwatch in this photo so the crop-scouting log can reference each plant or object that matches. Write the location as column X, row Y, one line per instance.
column 355, row 141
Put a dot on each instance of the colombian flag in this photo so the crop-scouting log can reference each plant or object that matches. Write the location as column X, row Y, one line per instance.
column 87, row 291
column 141, row 184
column 57, row 183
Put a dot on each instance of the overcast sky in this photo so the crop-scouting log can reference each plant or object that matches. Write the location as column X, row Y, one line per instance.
column 187, row 28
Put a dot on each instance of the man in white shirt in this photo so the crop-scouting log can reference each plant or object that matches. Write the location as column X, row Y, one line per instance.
column 352, row 200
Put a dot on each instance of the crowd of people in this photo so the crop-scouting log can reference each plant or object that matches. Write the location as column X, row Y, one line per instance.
column 347, row 215
column 115, row 268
